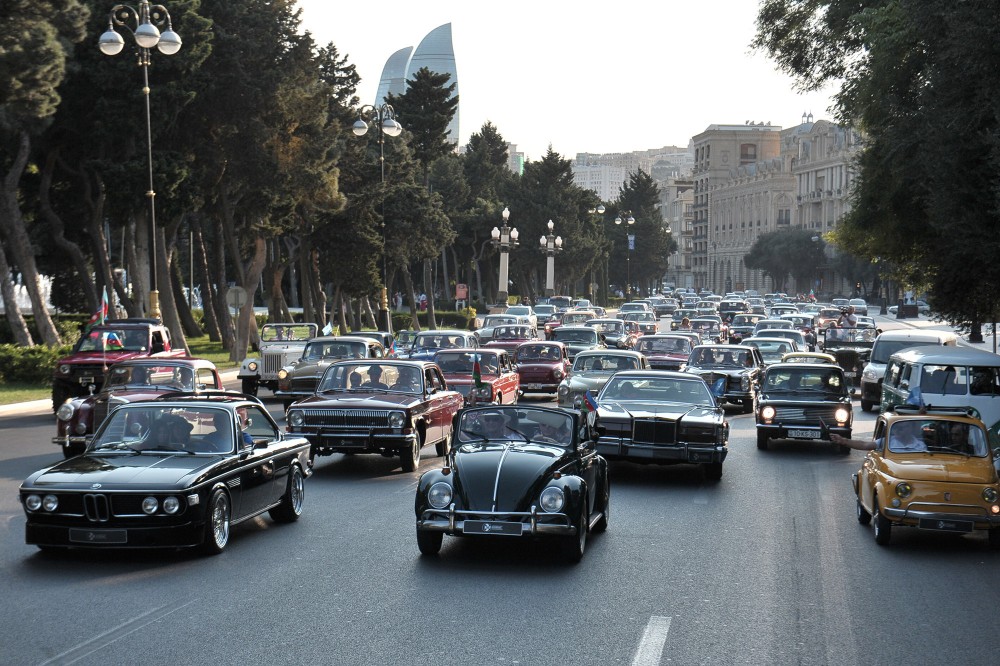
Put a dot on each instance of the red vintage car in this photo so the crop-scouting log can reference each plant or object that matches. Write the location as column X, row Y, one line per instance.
column 541, row 366
column 130, row 381
column 510, row 337
column 500, row 382
column 666, row 351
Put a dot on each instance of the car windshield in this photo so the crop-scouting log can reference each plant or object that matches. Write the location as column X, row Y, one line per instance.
column 883, row 349
column 657, row 389
column 702, row 325
column 370, row 377
column 148, row 427
column 862, row 336
column 823, row 379
column 278, row 332
column 461, row 363
column 721, row 357
column 113, row 340
column 498, row 320
column 576, row 317
column 640, row 316
column 577, row 336
column 607, row 327
column 436, row 341
column 171, row 377
column 531, row 353
column 604, row 363
column 315, row 351
column 771, row 350
column 745, row 320
column 515, row 424
column 521, row 310
column 648, row 345
column 938, row 436
column 511, row 333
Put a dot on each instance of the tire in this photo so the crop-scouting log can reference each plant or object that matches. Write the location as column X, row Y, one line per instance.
column 250, row 386
column 217, row 522
column 863, row 516
column 410, row 458
column 883, row 528
column 762, row 440
column 429, row 542
column 72, row 450
column 602, row 524
column 748, row 406
column 60, row 394
column 499, row 398
column 713, row 471
column 574, row 546
column 443, row 447
column 866, row 405
column 291, row 502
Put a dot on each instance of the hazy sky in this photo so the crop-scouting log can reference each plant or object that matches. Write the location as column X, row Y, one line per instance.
column 581, row 77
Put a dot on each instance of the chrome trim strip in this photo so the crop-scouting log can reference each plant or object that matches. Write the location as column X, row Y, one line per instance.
column 496, row 482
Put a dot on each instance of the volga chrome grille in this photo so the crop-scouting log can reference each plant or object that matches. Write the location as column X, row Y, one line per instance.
column 347, row 418
column 810, row 414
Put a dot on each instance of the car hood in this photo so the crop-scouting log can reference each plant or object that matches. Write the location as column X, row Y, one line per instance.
column 642, row 409
column 466, row 380
column 515, row 471
column 359, row 400
column 118, row 471
column 589, row 380
column 548, row 365
column 716, row 370
column 317, row 367
column 940, row 467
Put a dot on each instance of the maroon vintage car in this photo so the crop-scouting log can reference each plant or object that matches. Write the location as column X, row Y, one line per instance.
column 667, row 351
column 385, row 406
column 510, row 337
column 130, row 381
column 499, row 381
column 541, row 366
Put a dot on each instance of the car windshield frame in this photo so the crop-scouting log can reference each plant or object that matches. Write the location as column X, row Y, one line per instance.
column 337, row 378
column 648, row 388
column 515, row 424
column 151, row 427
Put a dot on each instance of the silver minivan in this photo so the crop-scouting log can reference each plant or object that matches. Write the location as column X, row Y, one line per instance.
column 887, row 344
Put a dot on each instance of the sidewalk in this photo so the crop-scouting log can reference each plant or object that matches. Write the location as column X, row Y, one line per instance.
column 924, row 322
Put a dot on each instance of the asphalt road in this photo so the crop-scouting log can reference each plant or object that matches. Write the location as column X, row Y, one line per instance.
column 767, row 566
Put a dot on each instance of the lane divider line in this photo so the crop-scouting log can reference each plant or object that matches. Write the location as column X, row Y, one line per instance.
column 653, row 639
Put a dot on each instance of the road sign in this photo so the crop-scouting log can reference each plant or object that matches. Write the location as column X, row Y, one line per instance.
column 236, row 297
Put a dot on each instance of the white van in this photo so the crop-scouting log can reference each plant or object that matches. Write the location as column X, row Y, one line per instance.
column 887, row 344
column 962, row 377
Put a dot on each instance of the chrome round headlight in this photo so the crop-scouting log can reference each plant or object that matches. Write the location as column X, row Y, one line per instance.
column 80, row 428
column 903, row 489
column 563, row 391
column 397, row 419
column 439, row 496
column 50, row 502
column 841, row 415
column 282, row 373
column 484, row 391
column 767, row 413
column 150, row 505
column 552, row 499
column 252, row 366
column 990, row 495
column 64, row 369
column 65, row 411
column 296, row 418
column 33, row 502
column 171, row 505
column 869, row 375
column 558, row 373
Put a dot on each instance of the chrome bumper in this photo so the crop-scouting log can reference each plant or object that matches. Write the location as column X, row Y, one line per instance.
column 452, row 521
column 945, row 514
column 69, row 440
column 614, row 447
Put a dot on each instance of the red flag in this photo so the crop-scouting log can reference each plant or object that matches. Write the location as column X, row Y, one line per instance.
column 101, row 316
column 477, row 375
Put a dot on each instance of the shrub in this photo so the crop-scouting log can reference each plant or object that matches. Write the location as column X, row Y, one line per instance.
column 30, row 365
column 463, row 319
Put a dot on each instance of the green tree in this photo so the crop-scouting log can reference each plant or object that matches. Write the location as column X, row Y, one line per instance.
column 653, row 244
column 425, row 110
column 786, row 252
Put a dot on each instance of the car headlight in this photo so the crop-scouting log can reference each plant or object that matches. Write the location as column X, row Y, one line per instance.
column 558, row 373
column 397, row 419
column 767, row 413
column 903, row 489
column 990, row 495
column 563, row 390
column 552, row 500
column 33, row 502
column 64, row 369
column 150, row 505
column 744, row 383
column 439, row 496
column 282, row 373
column 65, row 411
column 842, row 414
column 80, row 428
column 869, row 375
column 171, row 505
column 252, row 366
column 296, row 418
column 50, row 502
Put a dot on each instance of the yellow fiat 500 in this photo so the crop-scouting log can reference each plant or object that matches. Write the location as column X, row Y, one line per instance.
column 931, row 470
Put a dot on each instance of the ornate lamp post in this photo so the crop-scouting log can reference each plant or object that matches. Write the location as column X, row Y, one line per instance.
column 385, row 117
column 505, row 238
column 602, row 289
column 626, row 216
column 147, row 35
column 550, row 245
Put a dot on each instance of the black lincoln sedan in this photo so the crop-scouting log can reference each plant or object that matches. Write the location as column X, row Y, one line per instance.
column 171, row 473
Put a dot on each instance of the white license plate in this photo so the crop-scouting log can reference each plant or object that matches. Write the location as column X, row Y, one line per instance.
column 804, row 434
column 533, row 386
column 86, row 380
column 850, row 374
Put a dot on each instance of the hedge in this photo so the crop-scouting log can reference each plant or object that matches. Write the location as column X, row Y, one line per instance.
column 462, row 320
column 30, row 365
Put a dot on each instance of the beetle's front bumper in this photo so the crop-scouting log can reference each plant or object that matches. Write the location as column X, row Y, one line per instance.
column 496, row 523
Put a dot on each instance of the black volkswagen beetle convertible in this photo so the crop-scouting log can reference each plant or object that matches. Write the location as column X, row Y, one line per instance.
column 169, row 473
column 516, row 472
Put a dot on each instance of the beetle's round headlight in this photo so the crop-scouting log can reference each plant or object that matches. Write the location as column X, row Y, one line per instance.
column 50, row 502
column 903, row 489
column 65, row 411
column 80, row 428
column 296, row 418
column 841, row 415
column 64, row 369
column 563, row 391
column 171, row 505
column 252, row 366
column 990, row 494
column 397, row 419
column 767, row 413
column 150, row 505
column 439, row 495
column 33, row 502
column 282, row 373
column 577, row 402
column 552, row 499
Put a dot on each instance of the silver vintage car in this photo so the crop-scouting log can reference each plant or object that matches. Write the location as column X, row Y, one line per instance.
column 280, row 344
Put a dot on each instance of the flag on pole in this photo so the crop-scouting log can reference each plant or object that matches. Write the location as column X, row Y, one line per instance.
column 477, row 373
column 589, row 406
column 101, row 316
column 328, row 329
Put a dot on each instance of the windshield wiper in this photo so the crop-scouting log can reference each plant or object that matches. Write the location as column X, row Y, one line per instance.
column 165, row 449
column 475, row 434
column 115, row 446
column 518, row 432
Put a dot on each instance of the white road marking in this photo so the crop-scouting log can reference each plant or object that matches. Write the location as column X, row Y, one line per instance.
column 651, row 646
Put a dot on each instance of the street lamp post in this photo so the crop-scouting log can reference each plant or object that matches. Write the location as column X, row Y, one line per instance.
column 146, row 34
column 603, row 287
column 504, row 238
column 385, row 117
column 550, row 245
column 626, row 216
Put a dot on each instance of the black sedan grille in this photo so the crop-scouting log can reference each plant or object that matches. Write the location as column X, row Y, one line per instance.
column 96, row 507
column 347, row 418
column 808, row 414
column 654, row 431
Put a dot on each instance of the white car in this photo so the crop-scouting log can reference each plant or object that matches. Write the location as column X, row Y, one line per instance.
column 524, row 314
column 485, row 333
